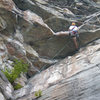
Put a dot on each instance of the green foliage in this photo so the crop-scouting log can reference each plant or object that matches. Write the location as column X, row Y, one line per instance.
column 38, row 93
column 19, row 67
column 17, row 86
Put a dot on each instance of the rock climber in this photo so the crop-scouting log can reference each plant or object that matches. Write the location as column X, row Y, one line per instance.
column 73, row 32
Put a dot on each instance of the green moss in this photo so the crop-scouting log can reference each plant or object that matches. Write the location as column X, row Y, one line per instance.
column 17, row 86
column 38, row 93
column 19, row 67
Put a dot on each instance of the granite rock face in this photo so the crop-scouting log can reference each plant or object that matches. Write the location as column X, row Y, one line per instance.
column 1, row 97
column 28, row 30
column 76, row 77
column 5, row 88
column 38, row 20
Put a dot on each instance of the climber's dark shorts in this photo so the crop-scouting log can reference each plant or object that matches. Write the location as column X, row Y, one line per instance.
column 74, row 35
column 77, row 36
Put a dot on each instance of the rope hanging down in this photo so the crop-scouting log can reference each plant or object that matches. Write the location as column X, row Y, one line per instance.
column 54, row 57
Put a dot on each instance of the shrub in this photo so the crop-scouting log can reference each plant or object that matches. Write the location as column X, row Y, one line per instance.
column 17, row 86
column 38, row 93
column 19, row 67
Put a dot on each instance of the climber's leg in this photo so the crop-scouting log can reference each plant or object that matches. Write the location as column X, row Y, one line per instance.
column 75, row 42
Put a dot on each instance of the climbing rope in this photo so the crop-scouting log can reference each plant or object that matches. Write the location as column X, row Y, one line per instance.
column 58, row 54
column 54, row 57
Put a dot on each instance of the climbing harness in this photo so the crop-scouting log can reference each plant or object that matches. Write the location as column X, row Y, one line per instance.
column 73, row 33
